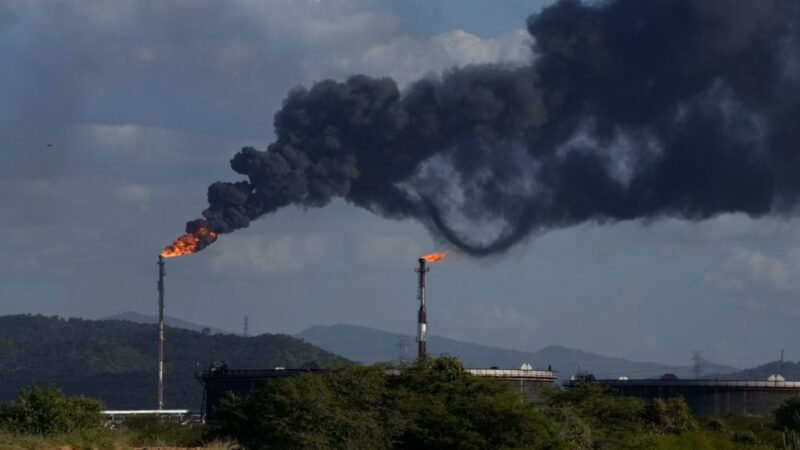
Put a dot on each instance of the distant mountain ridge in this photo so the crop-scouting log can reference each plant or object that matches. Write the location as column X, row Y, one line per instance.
column 790, row 371
column 368, row 345
column 169, row 321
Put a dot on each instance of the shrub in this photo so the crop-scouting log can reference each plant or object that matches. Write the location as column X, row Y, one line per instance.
column 744, row 437
column 716, row 424
column 670, row 416
column 46, row 411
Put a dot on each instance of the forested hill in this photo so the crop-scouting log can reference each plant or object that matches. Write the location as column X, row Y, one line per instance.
column 115, row 360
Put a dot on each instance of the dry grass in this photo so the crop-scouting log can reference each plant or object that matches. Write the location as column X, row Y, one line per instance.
column 120, row 442
column 216, row 445
column 221, row 445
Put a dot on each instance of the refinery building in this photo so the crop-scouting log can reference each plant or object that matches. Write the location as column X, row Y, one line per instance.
column 709, row 398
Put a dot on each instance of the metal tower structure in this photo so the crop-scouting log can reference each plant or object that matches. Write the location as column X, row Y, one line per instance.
column 422, row 314
column 160, row 333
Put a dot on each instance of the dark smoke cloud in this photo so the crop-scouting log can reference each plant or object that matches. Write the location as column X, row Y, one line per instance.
column 631, row 110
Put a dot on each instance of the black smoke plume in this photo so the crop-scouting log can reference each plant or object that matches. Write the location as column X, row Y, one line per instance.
column 630, row 109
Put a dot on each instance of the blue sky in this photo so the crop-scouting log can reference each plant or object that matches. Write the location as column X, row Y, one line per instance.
column 146, row 102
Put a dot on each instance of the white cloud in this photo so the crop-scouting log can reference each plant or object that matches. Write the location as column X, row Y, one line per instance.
column 245, row 254
column 53, row 248
column 137, row 195
column 108, row 13
column 128, row 143
column 36, row 201
column 407, row 58
column 344, row 28
column 747, row 270
column 145, row 55
column 739, row 226
column 500, row 318
column 388, row 249
column 40, row 189
column 725, row 227
column 318, row 22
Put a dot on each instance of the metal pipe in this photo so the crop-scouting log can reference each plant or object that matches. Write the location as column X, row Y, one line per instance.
column 422, row 315
column 160, row 332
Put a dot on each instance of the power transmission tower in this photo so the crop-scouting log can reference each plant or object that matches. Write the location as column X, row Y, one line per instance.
column 246, row 326
column 697, row 367
column 403, row 344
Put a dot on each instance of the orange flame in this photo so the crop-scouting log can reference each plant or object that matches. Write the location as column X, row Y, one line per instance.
column 435, row 257
column 189, row 243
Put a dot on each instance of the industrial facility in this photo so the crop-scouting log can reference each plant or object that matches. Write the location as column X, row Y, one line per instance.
column 219, row 380
column 704, row 397
column 709, row 398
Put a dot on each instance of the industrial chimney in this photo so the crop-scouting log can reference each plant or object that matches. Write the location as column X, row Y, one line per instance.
column 160, row 332
column 422, row 315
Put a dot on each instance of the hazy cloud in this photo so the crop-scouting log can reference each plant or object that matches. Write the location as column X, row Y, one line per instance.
column 494, row 317
column 749, row 271
column 50, row 250
column 135, row 194
column 248, row 254
column 389, row 249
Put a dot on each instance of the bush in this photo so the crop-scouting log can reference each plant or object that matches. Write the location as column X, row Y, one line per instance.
column 46, row 411
column 670, row 416
column 744, row 437
column 716, row 424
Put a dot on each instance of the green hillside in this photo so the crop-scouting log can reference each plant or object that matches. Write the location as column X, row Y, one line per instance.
column 115, row 360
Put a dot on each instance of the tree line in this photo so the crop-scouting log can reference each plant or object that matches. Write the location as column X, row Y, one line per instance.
column 431, row 404
column 435, row 404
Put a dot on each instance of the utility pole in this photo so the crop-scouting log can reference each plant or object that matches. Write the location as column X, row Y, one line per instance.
column 246, row 327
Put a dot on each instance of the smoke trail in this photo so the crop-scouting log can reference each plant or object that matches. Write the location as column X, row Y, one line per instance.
column 630, row 110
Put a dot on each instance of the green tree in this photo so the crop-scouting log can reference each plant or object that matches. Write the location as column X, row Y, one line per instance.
column 670, row 416
column 444, row 407
column 346, row 408
column 46, row 411
column 615, row 422
column 573, row 430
